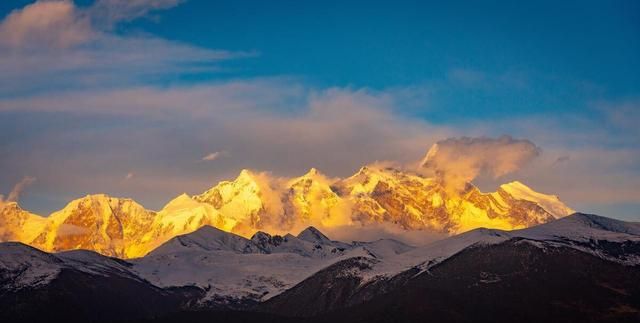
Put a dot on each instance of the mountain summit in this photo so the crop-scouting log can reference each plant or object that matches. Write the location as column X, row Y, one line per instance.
column 313, row 235
column 255, row 201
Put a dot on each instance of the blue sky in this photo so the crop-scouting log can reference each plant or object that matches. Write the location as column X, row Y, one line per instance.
column 376, row 44
column 245, row 77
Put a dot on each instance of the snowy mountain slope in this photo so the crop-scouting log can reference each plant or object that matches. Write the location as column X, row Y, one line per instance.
column 606, row 238
column 230, row 267
column 22, row 266
column 512, row 281
column 233, row 269
column 206, row 239
column 257, row 269
column 433, row 253
column 228, row 276
column 81, row 286
column 583, row 227
column 385, row 248
column 586, row 232
column 565, row 244
column 309, row 273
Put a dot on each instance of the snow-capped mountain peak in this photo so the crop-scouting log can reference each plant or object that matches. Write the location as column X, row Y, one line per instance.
column 96, row 222
column 256, row 201
column 551, row 203
column 17, row 224
column 207, row 238
column 313, row 235
column 313, row 172
column 180, row 202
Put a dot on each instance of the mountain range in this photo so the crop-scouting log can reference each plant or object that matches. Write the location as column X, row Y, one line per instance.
column 254, row 201
column 580, row 268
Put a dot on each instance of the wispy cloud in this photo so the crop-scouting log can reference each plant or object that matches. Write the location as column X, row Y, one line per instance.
column 621, row 116
column 278, row 125
column 17, row 190
column 284, row 126
column 214, row 155
column 57, row 39
column 106, row 13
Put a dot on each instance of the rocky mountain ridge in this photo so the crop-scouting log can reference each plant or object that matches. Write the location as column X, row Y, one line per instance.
column 254, row 201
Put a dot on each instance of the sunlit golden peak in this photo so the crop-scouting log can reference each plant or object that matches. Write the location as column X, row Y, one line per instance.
column 363, row 170
column 179, row 200
column 183, row 196
column 10, row 204
column 312, row 172
column 551, row 203
column 245, row 174
column 101, row 198
column 13, row 206
column 377, row 194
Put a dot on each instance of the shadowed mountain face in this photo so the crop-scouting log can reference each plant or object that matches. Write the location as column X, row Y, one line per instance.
column 514, row 281
column 581, row 268
column 122, row 228
column 580, row 252
column 78, row 286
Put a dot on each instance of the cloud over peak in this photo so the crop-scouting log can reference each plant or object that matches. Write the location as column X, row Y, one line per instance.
column 17, row 190
column 459, row 160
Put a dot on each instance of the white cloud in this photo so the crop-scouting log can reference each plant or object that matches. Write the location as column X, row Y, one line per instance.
column 214, row 155
column 45, row 24
column 56, row 39
column 458, row 161
column 283, row 126
column 276, row 125
column 60, row 24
